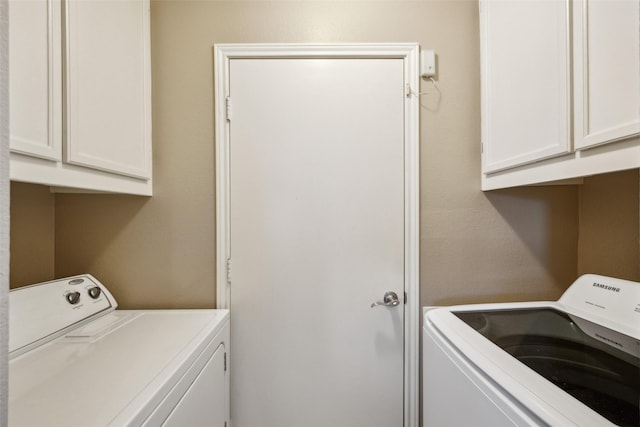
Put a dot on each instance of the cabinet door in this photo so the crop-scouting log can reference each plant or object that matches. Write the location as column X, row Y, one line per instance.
column 108, row 86
column 35, row 78
column 525, row 81
column 607, row 70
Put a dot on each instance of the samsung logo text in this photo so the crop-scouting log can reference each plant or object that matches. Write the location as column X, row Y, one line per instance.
column 606, row 287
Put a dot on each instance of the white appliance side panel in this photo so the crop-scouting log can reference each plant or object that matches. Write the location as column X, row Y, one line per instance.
column 453, row 396
column 205, row 376
column 203, row 405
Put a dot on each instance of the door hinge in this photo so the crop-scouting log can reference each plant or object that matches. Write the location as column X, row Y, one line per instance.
column 228, row 107
column 482, row 148
column 405, row 297
column 407, row 90
column 225, row 361
column 228, row 271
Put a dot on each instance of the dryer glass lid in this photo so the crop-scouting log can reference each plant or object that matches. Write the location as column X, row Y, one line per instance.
column 596, row 365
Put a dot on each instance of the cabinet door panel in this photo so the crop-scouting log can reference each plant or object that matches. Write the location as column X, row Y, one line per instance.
column 525, row 81
column 607, row 70
column 108, row 111
column 35, row 78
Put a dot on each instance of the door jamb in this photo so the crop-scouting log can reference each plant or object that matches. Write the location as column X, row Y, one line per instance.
column 409, row 53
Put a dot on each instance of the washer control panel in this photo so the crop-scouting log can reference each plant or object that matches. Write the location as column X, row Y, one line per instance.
column 614, row 302
column 44, row 311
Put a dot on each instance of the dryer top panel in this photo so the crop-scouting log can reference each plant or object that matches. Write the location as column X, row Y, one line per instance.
column 90, row 376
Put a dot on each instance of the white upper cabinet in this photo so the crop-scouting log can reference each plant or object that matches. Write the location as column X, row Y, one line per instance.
column 560, row 89
column 525, row 81
column 88, row 128
column 108, row 86
column 35, row 78
column 607, row 70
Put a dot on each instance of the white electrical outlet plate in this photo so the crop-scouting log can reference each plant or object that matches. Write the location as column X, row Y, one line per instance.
column 428, row 63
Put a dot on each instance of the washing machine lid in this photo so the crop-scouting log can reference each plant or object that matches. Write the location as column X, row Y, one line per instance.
column 552, row 356
column 598, row 366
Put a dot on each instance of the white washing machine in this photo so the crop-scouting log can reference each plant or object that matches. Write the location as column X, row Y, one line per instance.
column 572, row 362
column 77, row 361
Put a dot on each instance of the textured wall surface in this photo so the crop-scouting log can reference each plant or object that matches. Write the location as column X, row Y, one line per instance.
column 501, row 245
column 516, row 244
column 609, row 239
column 33, row 231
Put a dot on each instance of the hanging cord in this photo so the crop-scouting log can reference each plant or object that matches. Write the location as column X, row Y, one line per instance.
column 432, row 102
column 434, row 89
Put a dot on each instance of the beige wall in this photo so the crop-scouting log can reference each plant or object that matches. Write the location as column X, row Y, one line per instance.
column 609, row 241
column 32, row 239
column 504, row 245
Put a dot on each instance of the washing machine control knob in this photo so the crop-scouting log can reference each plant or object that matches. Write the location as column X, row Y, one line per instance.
column 73, row 297
column 95, row 292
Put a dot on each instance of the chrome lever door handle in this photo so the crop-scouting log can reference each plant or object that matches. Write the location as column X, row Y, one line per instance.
column 390, row 300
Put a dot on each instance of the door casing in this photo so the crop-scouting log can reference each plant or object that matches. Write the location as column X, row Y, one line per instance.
column 409, row 53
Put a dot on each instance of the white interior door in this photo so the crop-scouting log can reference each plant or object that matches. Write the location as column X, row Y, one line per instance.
column 317, row 233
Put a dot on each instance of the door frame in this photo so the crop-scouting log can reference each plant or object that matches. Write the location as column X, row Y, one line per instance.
column 409, row 53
